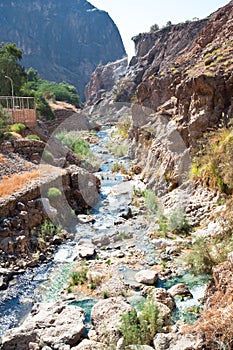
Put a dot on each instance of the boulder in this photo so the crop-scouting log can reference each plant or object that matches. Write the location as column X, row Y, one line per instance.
column 163, row 296
column 106, row 318
column 101, row 240
column 47, row 323
column 165, row 313
column 87, row 344
column 177, row 341
column 138, row 347
column 181, row 290
column 147, row 277
column 85, row 249
column 86, row 219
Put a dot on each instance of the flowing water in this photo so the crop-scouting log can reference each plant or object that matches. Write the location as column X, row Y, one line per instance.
column 45, row 282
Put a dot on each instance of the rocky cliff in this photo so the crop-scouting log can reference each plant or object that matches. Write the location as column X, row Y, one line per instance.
column 185, row 72
column 103, row 79
column 64, row 41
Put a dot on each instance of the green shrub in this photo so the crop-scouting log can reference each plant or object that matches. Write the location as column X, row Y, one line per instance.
column 151, row 201
column 124, row 125
column 141, row 328
column 81, row 147
column 18, row 128
column 118, row 149
column 78, row 277
column 77, row 145
column 118, row 167
column 33, row 137
column 54, row 194
column 212, row 164
column 48, row 157
column 208, row 252
column 4, row 122
column 177, row 222
column 43, row 107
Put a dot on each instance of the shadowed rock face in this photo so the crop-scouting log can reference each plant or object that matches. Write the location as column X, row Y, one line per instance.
column 63, row 40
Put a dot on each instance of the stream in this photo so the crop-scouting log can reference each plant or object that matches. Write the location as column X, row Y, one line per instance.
column 45, row 283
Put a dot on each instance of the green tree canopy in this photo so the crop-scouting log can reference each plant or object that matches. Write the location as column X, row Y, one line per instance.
column 10, row 57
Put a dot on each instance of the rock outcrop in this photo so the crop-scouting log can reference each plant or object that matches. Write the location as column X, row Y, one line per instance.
column 63, row 41
column 53, row 325
column 103, row 79
column 179, row 85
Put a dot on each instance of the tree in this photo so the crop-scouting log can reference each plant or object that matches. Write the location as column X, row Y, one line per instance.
column 10, row 56
column 154, row 27
column 168, row 24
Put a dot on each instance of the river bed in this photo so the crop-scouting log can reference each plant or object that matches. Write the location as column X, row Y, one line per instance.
column 46, row 282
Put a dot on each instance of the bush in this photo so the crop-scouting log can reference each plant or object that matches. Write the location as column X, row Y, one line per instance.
column 18, row 128
column 48, row 157
column 140, row 328
column 151, row 201
column 212, row 164
column 4, row 123
column 33, row 137
column 43, row 107
column 124, row 125
column 54, row 194
column 177, row 222
column 78, row 277
column 154, row 27
column 119, row 150
column 208, row 252
column 80, row 147
column 74, row 143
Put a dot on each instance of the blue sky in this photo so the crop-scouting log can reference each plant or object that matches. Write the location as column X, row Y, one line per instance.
column 136, row 16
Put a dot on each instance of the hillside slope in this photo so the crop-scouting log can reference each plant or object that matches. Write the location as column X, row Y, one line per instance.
column 64, row 41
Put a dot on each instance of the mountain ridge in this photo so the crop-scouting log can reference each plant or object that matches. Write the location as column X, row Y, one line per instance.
column 64, row 42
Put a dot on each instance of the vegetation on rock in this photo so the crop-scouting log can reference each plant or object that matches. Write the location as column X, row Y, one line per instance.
column 139, row 328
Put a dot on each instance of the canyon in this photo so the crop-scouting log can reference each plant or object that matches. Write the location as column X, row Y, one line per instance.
column 171, row 102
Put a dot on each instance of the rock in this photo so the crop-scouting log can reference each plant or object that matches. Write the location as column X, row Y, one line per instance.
column 48, row 323
column 95, row 276
column 160, row 243
column 163, row 296
column 106, row 318
column 57, row 240
column 127, row 215
column 101, row 240
column 114, row 286
column 5, row 276
column 147, row 277
column 174, row 341
column 85, row 249
column 138, row 347
column 34, row 346
column 87, row 344
column 165, row 313
column 103, row 79
column 230, row 258
column 86, row 219
column 181, row 290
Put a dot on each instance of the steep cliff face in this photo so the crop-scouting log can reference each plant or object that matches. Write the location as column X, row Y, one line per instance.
column 64, row 41
column 185, row 71
column 179, row 84
column 104, row 78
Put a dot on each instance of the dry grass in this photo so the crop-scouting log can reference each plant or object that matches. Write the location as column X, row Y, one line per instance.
column 9, row 185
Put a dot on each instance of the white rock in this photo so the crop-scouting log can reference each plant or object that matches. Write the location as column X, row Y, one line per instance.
column 180, row 289
column 87, row 344
column 106, row 317
column 147, row 277
column 49, row 323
